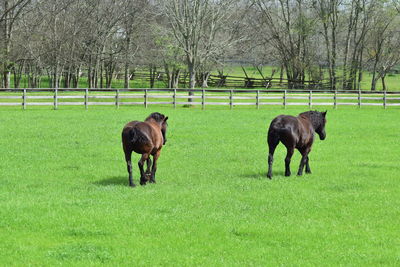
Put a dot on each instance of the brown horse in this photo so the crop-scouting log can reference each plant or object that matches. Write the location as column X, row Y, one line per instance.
column 146, row 138
column 295, row 132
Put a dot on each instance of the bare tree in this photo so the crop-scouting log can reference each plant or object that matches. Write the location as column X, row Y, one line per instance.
column 383, row 44
column 197, row 26
column 288, row 27
column 133, row 22
column 10, row 11
column 328, row 14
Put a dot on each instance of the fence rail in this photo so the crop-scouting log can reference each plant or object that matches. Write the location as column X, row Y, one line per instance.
column 201, row 97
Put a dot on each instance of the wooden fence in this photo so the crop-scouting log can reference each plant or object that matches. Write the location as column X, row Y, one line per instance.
column 229, row 81
column 201, row 97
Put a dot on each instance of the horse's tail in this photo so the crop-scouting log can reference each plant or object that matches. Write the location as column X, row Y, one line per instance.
column 133, row 135
column 273, row 132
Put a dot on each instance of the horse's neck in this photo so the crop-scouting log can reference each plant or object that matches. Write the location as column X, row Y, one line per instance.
column 153, row 122
column 312, row 121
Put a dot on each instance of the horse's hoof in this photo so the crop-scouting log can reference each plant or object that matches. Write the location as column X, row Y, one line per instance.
column 269, row 177
column 132, row 185
column 287, row 174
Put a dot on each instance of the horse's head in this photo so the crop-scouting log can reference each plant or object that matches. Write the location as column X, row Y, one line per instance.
column 164, row 126
column 320, row 129
column 161, row 119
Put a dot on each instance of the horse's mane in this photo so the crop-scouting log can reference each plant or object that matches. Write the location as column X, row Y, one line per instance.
column 158, row 117
column 314, row 117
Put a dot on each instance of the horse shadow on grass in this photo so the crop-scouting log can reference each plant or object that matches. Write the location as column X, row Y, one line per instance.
column 262, row 175
column 115, row 180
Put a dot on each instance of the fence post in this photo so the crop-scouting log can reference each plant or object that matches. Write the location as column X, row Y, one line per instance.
column 359, row 98
column 231, row 99
column 335, row 99
column 174, row 97
column 310, row 100
column 86, row 98
column 117, row 98
column 24, row 99
column 284, row 99
column 55, row 98
column 203, row 99
column 258, row 99
column 384, row 99
column 145, row 98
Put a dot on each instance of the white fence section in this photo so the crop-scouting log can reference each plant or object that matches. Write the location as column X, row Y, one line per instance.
column 202, row 97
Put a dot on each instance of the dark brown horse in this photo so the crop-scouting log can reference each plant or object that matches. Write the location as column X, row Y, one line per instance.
column 295, row 132
column 146, row 138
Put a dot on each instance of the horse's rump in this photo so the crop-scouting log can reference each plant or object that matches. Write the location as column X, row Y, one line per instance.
column 283, row 123
column 134, row 133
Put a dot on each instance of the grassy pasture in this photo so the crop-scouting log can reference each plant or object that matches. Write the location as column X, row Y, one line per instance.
column 64, row 198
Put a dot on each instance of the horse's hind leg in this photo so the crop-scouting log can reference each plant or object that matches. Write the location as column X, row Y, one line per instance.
column 273, row 141
column 289, row 154
column 128, row 155
column 144, row 158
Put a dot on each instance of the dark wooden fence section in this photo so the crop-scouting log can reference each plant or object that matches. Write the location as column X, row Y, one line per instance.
column 223, row 81
column 201, row 97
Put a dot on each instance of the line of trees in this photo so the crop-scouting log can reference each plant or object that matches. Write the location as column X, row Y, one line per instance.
column 65, row 40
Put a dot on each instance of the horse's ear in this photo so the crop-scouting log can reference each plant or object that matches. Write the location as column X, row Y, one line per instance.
column 166, row 118
column 324, row 113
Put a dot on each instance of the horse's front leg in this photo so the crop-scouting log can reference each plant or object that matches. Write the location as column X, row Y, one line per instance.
column 304, row 161
column 154, row 167
column 308, row 170
column 142, row 173
column 289, row 154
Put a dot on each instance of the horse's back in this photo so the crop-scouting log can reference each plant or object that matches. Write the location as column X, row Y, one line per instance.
column 282, row 122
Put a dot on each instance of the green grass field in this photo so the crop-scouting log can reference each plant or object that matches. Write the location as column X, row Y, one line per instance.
column 64, row 198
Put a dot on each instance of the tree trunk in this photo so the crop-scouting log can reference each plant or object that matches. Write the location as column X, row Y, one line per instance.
column 205, row 77
column 153, row 72
column 126, row 65
column 126, row 75
column 175, row 78
column 6, row 43
column 192, row 79
column 383, row 82
column 374, row 78
column 77, row 77
column 89, row 73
